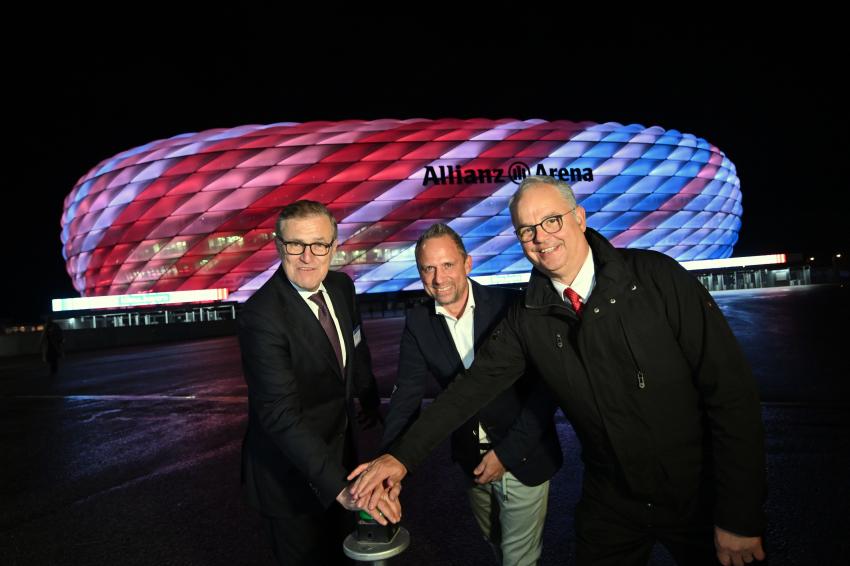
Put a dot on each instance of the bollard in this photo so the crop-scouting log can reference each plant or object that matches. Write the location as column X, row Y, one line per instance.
column 374, row 543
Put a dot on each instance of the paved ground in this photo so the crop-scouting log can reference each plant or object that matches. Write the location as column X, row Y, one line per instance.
column 131, row 456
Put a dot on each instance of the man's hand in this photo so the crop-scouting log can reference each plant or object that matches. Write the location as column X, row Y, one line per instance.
column 368, row 417
column 375, row 478
column 490, row 468
column 344, row 498
column 387, row 511
column 736, row 550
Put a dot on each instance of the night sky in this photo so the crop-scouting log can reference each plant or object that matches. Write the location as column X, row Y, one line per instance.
column 769, row 92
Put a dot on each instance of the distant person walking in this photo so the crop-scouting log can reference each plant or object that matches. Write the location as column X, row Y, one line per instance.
column 51, row 345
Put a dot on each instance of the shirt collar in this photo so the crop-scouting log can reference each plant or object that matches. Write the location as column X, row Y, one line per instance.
column 470, row 304
column 305, row 294
column 584, row 280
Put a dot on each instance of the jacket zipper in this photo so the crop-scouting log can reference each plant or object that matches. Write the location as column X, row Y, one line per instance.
column 641, row 377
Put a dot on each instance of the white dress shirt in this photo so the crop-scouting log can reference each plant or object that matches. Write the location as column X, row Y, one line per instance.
column 462, row 330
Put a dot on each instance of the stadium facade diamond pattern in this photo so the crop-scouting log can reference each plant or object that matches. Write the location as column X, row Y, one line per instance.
column 197, row 211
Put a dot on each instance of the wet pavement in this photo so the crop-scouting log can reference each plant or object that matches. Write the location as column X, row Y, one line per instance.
column 131, row 455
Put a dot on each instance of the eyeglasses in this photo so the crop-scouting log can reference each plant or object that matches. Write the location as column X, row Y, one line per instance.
column 297, row 248
column 550, row 225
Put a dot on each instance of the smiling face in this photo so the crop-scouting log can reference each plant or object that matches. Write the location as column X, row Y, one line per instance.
column 443, row 270
column 305, row 269
column 559, row 255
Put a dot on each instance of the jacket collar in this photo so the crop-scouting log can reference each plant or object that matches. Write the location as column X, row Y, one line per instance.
column 611, row 273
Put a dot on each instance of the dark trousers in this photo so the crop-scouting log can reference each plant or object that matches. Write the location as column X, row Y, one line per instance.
column 311, row 539
column 53, row 362
column 615, row 529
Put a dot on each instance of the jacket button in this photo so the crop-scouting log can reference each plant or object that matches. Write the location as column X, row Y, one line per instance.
column 612, row 300
column 595, row 310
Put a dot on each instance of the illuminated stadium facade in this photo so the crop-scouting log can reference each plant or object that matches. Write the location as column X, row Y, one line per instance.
column 197, row 211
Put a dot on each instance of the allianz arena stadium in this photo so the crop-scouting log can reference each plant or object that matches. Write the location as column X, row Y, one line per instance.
column 197, row 211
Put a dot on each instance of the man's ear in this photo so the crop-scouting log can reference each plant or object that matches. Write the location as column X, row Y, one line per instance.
column 580, row 217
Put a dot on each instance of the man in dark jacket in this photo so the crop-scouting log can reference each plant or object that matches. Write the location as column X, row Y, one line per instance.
column 510, row 448
column 51, row 344
column 304, row 357
column 647, row 370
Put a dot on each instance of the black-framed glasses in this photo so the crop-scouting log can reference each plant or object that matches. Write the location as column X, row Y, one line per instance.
column 550, row 225
column 297, row 248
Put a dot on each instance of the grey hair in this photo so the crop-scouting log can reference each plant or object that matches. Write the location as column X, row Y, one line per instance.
column 562, row 186
column 303, row 209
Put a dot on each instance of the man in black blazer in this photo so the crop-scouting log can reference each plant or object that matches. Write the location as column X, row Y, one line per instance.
column 510, row 449
column 304, row 356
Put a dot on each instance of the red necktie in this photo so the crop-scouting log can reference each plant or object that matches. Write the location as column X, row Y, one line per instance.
column 574, row 300
column 329, row 327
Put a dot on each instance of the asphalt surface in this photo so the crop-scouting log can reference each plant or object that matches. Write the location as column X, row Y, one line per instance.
column 131, row 455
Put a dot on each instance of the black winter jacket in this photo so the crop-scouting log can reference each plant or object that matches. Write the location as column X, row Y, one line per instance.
column 652, row 378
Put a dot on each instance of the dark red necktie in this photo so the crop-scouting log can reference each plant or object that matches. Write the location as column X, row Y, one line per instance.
column 574, row 300
column 328, row 325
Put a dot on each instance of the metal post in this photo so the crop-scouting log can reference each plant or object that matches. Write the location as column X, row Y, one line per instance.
column 376, row 553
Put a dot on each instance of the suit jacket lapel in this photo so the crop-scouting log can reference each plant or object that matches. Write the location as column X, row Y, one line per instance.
column 444, row 337
column 479, row 314
column 343, row 316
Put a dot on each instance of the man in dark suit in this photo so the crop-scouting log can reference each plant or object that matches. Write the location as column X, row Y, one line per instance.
column 509, row 466
column 304, row 356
